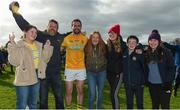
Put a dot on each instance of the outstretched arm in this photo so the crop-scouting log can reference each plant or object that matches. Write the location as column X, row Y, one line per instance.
column 62, row 36
column 21, row 22
column 172, row 47
column 170, row 66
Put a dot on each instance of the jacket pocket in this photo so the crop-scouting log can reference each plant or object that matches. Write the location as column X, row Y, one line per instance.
column 22, row 75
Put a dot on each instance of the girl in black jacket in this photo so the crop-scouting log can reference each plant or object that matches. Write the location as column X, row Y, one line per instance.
column 115, row 47
column 160, row 71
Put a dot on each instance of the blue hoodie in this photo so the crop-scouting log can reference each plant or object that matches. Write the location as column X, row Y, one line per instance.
column 176, row 49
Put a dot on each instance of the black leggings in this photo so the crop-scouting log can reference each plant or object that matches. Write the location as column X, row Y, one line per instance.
column 159, row 96
column 115, row 82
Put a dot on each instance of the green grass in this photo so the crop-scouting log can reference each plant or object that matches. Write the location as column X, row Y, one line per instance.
column 8, row 98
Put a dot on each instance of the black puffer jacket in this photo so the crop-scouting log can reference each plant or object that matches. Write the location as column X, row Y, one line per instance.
column 166, row 66
column 115, row 59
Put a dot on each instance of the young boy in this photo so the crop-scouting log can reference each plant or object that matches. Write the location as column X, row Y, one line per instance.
column 134, row 72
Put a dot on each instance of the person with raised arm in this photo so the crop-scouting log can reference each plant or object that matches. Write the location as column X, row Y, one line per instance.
column 54, row 66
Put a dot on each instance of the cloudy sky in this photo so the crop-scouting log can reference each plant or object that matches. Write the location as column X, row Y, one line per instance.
column 137, row 17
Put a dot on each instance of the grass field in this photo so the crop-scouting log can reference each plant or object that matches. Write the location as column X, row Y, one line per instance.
column 8, row 98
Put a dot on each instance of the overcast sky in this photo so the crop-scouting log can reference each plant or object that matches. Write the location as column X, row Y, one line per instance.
column 137, row 17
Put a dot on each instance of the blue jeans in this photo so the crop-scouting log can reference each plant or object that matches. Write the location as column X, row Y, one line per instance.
column 95, row 85
column 27, row 96
column 52, row 80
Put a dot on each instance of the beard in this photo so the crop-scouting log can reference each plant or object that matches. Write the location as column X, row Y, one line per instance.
column 76, row 31
column 52, row 32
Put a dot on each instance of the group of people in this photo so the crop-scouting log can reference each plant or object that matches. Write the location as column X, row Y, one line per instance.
column 37, row 58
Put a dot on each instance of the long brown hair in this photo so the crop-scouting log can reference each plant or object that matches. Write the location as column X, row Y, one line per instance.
column 101, row 46
column 26, row 29
column 156, row 56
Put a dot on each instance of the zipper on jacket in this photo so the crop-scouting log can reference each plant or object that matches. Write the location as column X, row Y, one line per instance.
column 129, row 76
column 95, row 56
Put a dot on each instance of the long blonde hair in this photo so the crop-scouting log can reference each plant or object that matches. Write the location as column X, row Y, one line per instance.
column 117, row 44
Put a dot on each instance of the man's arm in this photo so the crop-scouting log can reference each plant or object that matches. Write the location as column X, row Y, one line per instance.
column 172, row 47
column 62, row 36
column 21, row 22
column 63, row 45
column 170, row 66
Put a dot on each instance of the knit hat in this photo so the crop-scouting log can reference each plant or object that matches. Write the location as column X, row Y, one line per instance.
column 155, row 35
column 155, row 31
column 115, row 29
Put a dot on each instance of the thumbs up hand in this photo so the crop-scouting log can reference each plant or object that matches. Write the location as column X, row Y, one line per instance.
column 11, row 38
column 48, row 43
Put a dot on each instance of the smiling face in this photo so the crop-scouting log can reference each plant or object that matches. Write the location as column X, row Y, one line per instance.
column 95, row 39
column 112, row 36
column 132, row 43
column 52, row 28
column 153, row 43
column 31, row 35
column 76, row 27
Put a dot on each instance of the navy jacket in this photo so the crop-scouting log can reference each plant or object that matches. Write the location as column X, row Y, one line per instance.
column 2, row 58
column 176, row 49
column 133, row 68
column 166, row 67
column 42, row 36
